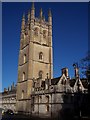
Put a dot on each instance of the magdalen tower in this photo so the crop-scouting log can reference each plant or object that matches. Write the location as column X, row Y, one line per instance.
column 35, row 55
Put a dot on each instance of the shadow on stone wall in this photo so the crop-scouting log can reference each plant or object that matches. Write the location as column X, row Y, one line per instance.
column 78, row 110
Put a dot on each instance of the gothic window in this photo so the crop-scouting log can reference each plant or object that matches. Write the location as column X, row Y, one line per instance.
column 23, row 75
column 22, row 94
column 44, row 34
column 47, row 101
column 36, row 31
column 40, row 55
column 40, row 74
column 24, row 58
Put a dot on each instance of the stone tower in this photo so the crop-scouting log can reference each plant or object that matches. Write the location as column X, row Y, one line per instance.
column 35, row 55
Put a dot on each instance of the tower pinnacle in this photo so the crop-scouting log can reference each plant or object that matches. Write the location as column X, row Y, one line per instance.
column 32, row 5
column 50, row 17
column 41, row 13
column 49, row 13
column 23, row 16
column 44, row 18
column 32, row 12
column 28, row 15
column 23, row 22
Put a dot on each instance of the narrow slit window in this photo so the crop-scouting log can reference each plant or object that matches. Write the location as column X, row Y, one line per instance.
column 23, row 75
column 22, row 94
column 24, row 58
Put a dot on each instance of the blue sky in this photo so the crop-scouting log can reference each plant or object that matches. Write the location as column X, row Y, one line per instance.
column 70, row 35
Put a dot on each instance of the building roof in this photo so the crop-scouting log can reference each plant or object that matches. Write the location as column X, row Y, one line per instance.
column 54, row 81
column 72, row 82
column 84, row 83
column 83, row 80
column 9, row 92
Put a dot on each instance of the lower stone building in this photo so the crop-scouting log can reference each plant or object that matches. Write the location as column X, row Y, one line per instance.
column 8, row 99
column 50, row 97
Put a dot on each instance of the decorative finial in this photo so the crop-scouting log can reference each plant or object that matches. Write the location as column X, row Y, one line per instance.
column 76, row 68
column 75, row 65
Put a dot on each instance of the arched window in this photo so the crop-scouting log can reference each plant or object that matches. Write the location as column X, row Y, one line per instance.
column 24, row 58
column 40, row 55
column 36, row 31
column 23, row 75
column 22, row 94
column 47, row 108
column 40, row 74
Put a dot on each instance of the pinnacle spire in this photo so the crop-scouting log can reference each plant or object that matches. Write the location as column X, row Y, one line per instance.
column 28, row 15
column 49, row 13
column 44, row 18
column 23, row 22
column 32, row 11
column 50, row 17
column 23, row 18
column 41, row 12
column 33, row 5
